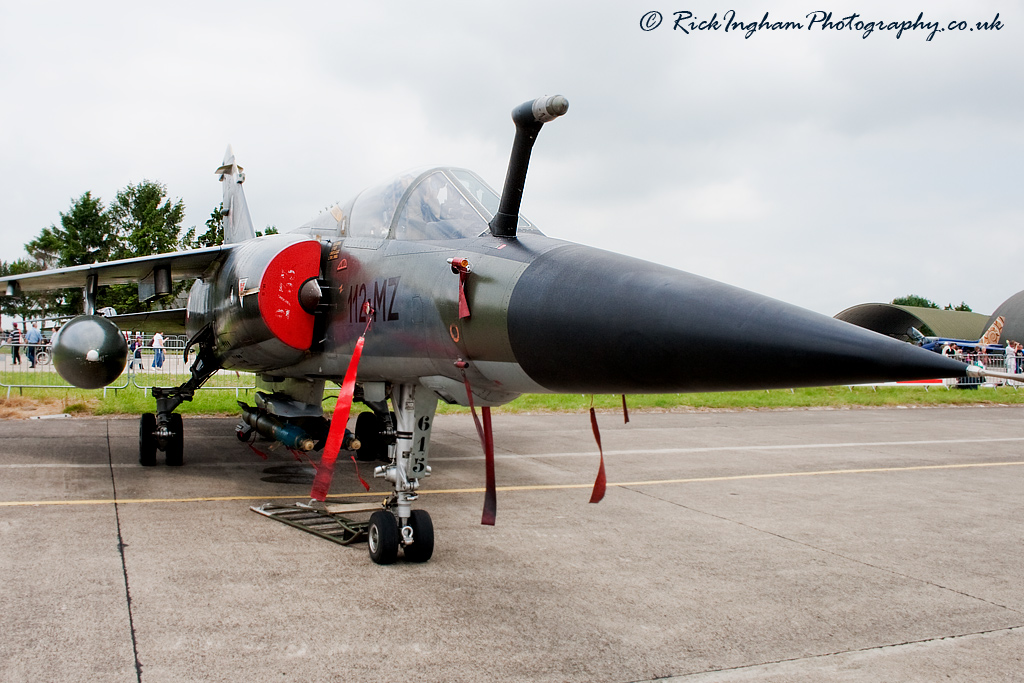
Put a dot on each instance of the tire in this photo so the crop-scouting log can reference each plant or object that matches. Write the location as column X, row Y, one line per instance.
column 382, row 537
column 176, row 445
column 368, row 427
column 422, row 536
column 147, row 441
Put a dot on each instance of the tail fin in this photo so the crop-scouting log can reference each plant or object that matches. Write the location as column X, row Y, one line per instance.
column 991, row 335
column 237, row 222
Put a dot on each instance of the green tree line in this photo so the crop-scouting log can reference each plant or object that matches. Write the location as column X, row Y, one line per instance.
column 915, row 300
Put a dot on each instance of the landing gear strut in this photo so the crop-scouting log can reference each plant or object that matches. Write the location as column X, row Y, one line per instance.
column 375, row 432
column 163, row 431
column 398, row 525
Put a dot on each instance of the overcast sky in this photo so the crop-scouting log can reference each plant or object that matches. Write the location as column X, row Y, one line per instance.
column 816, row 166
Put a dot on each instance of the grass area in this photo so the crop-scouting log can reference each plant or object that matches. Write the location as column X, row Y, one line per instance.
column 134, row 401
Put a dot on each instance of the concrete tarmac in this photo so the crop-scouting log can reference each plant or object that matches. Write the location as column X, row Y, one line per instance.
column 840, row 545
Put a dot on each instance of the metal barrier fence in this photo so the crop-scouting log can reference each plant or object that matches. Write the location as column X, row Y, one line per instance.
column 993, row 361
column 147, row 371
column 141, row 372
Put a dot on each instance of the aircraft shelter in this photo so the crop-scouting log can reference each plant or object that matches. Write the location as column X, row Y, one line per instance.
column 894, row 320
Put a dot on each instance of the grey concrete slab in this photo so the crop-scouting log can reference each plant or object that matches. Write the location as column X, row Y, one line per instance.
column 749, row 546
column 54, row 458
column 997, row 656
column 63, row 601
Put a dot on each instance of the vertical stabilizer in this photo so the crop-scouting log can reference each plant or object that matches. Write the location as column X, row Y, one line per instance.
column 993, row 333
column 237, row 222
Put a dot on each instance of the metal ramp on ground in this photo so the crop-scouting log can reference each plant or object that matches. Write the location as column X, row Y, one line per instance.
column 329, row 521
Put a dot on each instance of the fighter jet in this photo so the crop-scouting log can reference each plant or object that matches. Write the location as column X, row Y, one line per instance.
column 432, row 286
column 988, row 343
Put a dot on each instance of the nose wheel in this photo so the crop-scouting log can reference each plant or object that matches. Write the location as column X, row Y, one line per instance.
column 382, row 537
column 423, row 537
column 398, row 526
column 416, row 538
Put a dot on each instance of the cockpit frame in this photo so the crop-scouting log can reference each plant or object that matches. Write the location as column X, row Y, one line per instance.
column 458, row 205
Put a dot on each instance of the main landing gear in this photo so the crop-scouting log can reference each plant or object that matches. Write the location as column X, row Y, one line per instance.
column 398, row 526
column 168, row 437
column 163, row 430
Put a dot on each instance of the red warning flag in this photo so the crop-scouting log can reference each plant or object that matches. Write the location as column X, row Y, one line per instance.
column 336, row 435
column 366, row 487
column 491, row 494
column 486, row 435
column 600, row 483
column 463, row 304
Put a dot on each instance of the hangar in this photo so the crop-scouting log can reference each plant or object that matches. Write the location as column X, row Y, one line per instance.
column 895, row 320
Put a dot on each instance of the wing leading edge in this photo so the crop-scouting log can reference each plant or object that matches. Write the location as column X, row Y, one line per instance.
column 181, row 265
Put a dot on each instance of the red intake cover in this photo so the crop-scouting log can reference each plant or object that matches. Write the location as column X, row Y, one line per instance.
column 279, row 293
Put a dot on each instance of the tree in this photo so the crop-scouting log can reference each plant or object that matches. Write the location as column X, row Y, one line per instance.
column 24, row 305
column 84, row 236
column 213, row 236
column 914, row 300
column 145, row 221
column 140, row 221
column 962, row 307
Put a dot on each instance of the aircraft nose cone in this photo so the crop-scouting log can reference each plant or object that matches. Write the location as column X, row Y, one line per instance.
column 585, row 320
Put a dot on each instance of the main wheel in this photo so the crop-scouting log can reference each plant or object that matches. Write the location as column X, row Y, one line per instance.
column 147, row 440
column 382, row 537
column 176, row 444
column 368, row 427
column 422, row 537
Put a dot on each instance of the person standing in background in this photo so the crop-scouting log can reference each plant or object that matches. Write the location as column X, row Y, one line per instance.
column 32, row 337
column 14, row 339
column 158, row 350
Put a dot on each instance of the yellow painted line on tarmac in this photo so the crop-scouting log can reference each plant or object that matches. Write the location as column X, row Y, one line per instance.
column 528, row 487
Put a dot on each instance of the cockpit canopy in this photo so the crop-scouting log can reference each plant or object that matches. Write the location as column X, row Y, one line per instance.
column 433, row 204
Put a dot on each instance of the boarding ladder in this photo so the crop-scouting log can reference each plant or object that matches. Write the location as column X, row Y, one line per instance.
column 326, row 520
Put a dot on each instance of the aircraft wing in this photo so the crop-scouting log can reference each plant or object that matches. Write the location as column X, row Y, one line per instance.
column 169, row 320
column 183, row 265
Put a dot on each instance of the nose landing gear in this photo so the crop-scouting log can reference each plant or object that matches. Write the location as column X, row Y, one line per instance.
column 398, row 525
column 394, row 529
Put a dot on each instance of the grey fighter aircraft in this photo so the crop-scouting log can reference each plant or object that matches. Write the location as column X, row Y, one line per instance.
column 459, row 298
